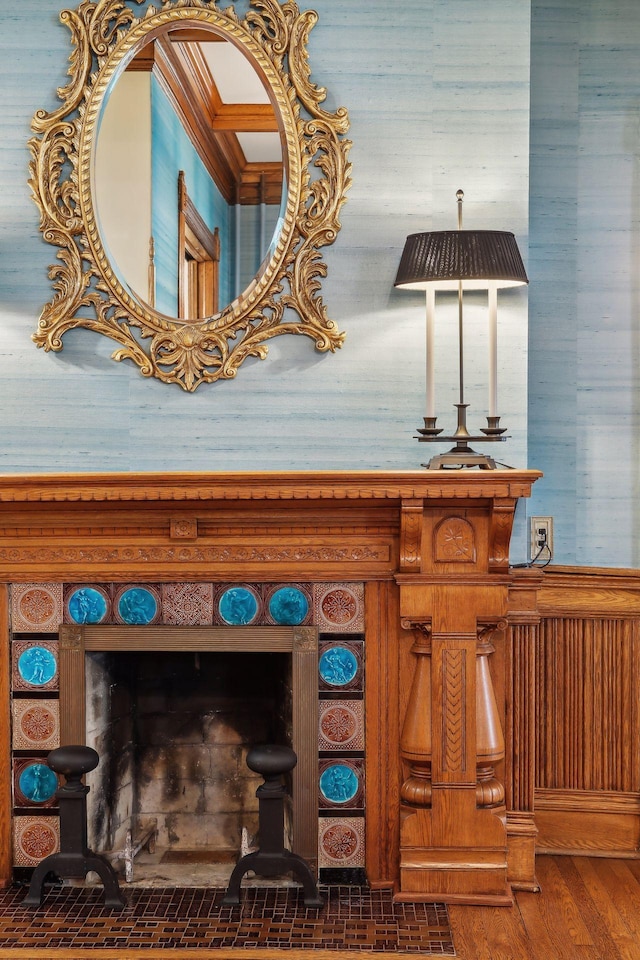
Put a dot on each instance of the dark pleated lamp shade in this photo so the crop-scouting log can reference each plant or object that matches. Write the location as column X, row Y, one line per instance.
column 480, row 258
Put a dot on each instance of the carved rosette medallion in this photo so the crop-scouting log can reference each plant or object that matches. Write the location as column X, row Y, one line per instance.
column 34, row 838
column 341, row 842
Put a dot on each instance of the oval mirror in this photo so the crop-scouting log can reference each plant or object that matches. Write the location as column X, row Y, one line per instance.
column 189, row 179
column 188, row 226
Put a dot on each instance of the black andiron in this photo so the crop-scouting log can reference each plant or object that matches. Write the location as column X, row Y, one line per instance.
column 272, row 859
column 75, row 859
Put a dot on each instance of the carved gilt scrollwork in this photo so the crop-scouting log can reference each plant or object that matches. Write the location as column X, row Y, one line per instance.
column 285, row 297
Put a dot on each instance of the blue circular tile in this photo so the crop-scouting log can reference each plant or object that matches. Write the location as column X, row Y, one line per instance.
column 338, row 666
column 339, row 783
column 238, row 606
column 87, row 605
column 288, row 606
column 137, row 605
column 38, row 782
column 37, row 665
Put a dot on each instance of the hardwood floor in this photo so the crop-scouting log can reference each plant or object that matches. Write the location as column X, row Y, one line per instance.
column 588, row 909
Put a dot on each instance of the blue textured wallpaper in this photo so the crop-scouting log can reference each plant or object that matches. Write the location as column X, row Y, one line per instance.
column 584, row 349
column 438, row 94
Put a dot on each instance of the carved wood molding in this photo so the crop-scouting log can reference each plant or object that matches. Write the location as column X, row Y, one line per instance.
column 177, row 487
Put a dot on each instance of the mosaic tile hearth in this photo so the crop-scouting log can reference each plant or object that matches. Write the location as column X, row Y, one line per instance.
column 174, row 919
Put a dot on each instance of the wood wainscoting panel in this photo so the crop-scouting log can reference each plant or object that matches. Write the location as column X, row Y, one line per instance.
column 587, row 797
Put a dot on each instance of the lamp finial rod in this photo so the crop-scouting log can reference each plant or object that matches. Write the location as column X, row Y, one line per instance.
column 460, row 198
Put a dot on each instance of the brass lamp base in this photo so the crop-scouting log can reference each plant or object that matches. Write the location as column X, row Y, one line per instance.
column 461, row 458
column 462, row 455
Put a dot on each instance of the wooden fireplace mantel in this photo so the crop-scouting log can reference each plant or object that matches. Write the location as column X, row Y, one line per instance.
column 447, row 648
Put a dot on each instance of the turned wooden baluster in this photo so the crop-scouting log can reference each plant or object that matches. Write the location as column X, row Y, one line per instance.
column 415, row 741
column 489, row 736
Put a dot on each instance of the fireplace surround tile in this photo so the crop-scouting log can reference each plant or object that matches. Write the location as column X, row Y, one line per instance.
column 36, row 724
column 341, row 783
column 237, row 604
column 341, row 666
column 341, row 842
column 34, row 665
column 34, row 783
column 88, row 603
column 288, row 604
column 339, row 607
column 34, row 838
column 341, row 725
column 187, row 604
column 36, row 607
column 137, row 604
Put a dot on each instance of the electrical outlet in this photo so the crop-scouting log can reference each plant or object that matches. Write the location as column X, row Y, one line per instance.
column 541, row 538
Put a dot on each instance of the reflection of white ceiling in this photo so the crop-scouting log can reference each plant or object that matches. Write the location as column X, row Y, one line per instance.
column 234, row 76
column 261, row 147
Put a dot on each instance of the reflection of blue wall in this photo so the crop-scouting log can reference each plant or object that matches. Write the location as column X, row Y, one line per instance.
column 252, row 249
column 172, row 151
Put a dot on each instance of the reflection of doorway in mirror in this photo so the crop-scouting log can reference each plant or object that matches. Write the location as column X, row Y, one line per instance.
column 122, row 187
column 198, row 260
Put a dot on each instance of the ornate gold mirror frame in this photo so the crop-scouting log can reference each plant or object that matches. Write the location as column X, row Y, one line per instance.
column 285, row 295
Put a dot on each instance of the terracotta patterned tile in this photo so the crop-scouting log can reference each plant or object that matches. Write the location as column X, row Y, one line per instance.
column 341, row 725
column 187, row 604
column 36, row 724
column 341, row 842
column 34, row 838
column 339, row 607
column 36, row 607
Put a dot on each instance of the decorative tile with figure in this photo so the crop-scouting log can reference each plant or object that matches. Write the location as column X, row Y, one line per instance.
column 87, row 604
column 342, row 783
column 137, row 605
column 238, row 605
column 340, row 665
column 35, row 665
column 34, row 783
column 288, row 605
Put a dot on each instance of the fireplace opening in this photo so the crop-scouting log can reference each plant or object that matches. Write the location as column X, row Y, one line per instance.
column 172, row 713
column 172, row 731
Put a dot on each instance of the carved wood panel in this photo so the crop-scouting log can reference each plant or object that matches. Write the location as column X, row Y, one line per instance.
column 588, row 731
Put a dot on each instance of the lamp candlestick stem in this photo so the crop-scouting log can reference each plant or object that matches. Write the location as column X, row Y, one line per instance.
column 431, row 386
column 493, row 350
column 460, row 342
column 460, row 198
